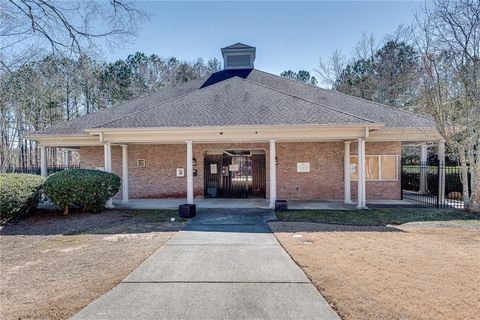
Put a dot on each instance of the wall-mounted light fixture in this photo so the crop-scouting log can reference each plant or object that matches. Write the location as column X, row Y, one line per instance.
column 180, row 172
column 140, row 163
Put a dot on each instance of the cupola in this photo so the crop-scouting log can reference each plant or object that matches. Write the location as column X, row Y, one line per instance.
column 238, row 56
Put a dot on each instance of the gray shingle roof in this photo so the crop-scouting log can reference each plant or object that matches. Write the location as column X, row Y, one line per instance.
column 234, row 102
column 390, row 116
column 263, row 92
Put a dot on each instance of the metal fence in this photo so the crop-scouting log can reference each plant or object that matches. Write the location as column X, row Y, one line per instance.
column 36, row 170
column 422, row 182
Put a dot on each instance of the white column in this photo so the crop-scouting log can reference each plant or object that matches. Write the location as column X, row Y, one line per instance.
column 105, row 157
column 189, row 172
column 364, row 176
column 346, row 173
column 441, row 178
column 43, row 162
column 109, row 155
column 108, row 167
column 423, row 167
column 273, row 174
column 66, row 158
column 361, row 174
column 125, row 172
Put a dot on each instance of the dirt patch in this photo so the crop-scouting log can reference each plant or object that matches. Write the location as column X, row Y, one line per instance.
column 53, row 266
column 415, row 271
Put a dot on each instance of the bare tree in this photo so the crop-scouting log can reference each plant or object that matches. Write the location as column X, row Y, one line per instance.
column 366, row 47
column 403, row 33
column 28, row 27
column 449, row 41
column 214, row 65
column 330, row 70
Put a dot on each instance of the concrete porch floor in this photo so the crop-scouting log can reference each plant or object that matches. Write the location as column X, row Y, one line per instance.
column 255, row 204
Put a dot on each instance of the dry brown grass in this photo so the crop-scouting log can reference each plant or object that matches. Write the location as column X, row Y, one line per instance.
column 419, row 272
column 47, row 274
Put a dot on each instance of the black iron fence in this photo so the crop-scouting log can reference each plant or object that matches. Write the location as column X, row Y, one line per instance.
column 433, row 185
column 36, row 170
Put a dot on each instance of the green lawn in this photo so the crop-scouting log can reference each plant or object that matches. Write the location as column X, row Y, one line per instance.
column 374, row 217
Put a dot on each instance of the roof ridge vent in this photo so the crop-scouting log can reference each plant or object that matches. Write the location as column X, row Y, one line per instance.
column 238, row 56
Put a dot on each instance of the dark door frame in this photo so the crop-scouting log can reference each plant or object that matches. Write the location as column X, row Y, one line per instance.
column 236, row 174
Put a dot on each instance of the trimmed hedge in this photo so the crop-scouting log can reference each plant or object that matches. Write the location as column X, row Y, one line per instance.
column 88, row 189
column 19, row 193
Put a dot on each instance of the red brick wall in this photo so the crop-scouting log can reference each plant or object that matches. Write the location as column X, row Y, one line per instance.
column 158, row 179
column 324, row 181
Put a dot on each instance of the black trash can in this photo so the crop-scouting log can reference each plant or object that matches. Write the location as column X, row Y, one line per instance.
column 281, row 205
column 187, row 210
column 212, row 192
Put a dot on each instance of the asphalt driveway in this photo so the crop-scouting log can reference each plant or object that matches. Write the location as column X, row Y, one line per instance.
column 226, row 264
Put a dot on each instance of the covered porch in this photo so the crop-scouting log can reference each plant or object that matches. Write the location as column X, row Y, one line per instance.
column 298, row 159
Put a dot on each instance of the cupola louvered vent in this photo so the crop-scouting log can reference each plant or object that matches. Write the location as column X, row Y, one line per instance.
column 238, row 61
column 238, row 56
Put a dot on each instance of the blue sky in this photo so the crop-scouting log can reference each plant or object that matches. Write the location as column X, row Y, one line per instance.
column 288, row 35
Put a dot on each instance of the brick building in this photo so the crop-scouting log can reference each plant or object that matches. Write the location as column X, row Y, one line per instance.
column 245, row 133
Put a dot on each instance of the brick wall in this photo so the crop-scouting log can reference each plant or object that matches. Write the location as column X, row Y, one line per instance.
column 324, row 181
column 158, row 178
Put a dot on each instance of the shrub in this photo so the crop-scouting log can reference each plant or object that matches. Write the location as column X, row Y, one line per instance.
column 19, row 193
column 411, row 181
column 88, row 189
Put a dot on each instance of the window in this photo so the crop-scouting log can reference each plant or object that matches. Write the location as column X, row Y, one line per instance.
column 376, row 167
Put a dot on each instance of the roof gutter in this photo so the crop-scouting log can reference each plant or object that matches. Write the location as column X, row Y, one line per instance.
column 101, row 131
column 34, row 136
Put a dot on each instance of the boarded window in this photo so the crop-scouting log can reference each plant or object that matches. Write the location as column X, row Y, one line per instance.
column 389, row 167
column 371, row 168
column 376, row 168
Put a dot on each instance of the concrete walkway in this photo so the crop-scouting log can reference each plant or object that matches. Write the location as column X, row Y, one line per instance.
column 224, row 265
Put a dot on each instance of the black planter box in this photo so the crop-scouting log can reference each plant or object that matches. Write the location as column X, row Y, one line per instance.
column 281, row 205
column 187, row 210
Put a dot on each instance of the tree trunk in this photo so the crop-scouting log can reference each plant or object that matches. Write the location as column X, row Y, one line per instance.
column 464, row 177
column 475, row 185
